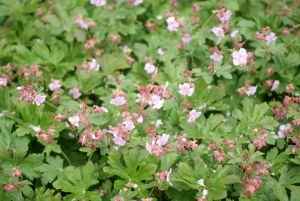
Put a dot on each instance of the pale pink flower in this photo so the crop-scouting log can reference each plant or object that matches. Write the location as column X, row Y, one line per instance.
column 219, row 32
column 140, row 119
column 39, row 99
column 186, row 38
column 271, row 37
column 156, row 102
column 160, row 51
column 74, row 120
column 240, row 57
column 158, row 123
column 75, row 93
column 129, row 124
column 119, row 141
column 3, row 82
column 139, row 98
column 138, row 2
column 149, row 68
column 283, row 129
column 193, row 116
column 55, row 84
column 204, row 193
column 234, row 33
column 226, row 16
column 148, row 147
column 251, row 90
column 98, row 3
column 163, row 140
column 216, row 57
column 186, row 89
column 118, row 101
column 275, row 85
column 83, row 24
column 172, row 24
column 94, row 65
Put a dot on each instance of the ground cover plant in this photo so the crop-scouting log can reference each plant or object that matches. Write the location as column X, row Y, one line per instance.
column 149, row 100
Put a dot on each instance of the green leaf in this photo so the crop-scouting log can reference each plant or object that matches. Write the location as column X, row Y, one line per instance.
column 77, row 181
column 222, row 70
column 52, row 170
column 52, row 19
column 167, row 161
column 110, row 63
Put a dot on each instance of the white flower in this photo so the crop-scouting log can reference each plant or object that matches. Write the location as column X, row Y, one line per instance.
column 159, row 17
column 204, row 193
column 251, row 90
column 39, row 99
column 234, row 33
column 3, row 82
column 119, row 141
column 156, row 102
column 118, row 101
column 149, row 68
column 240, row 57
column 186, row 89
column 270, row 38
column 172, row 24
column 98, row 3
column 160, row 51
column 163, row 140
column 186, row 38
column 219, row 32
column 201, row 182
column 35, row 128
column 275, row 85
column 140, row 119
column 138, row 2
column 74, row 120
column 216, row 57
column 193, row 116
column 168, row 177
column 148, row 147
column 55, row 84
column 94, row 65
column 226, row 16
column 283, row 130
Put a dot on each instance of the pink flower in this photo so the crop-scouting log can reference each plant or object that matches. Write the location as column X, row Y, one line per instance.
column 226, row 16
column 39, row 99
column 156, row 102
column 275, row 85
column 271, row 37
column 55, row 84
column 94, row 65
column 186, row 38
column 160, row 51
column 140, row 119
column 234, row 33
column 172, row 24
column 119, row 141
column 163, row 140
column 75, row 93
column 216, row 57
column 138, row 2
column 193, row 116
column 251, row 90
column 240, row 57
column 98, row 3
column 74, row 120
column 118, row 101
column 219, row 32
column 149, row 68
column 186, row 89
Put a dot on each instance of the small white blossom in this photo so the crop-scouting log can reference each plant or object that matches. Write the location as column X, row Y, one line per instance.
column 193, row 116
column 172, row 24
column 74, row 120
column 94, row 65
column 39, row 99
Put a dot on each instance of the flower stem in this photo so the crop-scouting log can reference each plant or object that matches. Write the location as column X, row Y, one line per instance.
column 66, row 157
column 50, row 104
column 220, row 68
column 292, row 41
